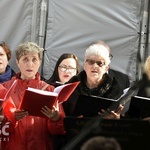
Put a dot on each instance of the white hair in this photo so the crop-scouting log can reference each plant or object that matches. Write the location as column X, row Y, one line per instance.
column 99, row 49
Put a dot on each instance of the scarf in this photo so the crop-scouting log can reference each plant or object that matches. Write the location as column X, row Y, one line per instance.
column 6, row 76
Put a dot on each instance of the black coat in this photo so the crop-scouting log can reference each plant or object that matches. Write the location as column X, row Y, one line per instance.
column 144, row 87
column 122, row 78
column 109, row 88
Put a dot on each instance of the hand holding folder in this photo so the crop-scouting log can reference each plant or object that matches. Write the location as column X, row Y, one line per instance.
column 90, row 106
column 34, row 99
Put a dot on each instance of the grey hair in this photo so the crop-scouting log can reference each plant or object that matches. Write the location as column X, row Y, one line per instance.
column 99, row 48
column 27, row 47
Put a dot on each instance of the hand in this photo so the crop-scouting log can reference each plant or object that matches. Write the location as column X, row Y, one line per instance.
column 1, row 110
column 146, row 118
column 81, row 116
column 1, row 114
column 1, row 118
column 51, row 113
column 113, row 114
column 19, row 114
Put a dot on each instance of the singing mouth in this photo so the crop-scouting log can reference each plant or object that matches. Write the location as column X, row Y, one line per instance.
column 29, row 70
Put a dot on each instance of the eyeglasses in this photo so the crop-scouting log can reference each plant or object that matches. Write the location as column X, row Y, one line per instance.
column 92, row 62
column 64, row 68
column 110, row 56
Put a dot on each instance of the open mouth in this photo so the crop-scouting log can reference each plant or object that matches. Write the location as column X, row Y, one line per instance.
column 66, row 76
column 94, row 71
column 29, row 70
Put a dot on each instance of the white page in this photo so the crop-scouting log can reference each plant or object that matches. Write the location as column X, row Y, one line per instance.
column 59, row 88
column 42, row 92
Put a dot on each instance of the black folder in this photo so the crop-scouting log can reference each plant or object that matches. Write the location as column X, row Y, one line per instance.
column 89, row 106
column 139, row 107
column 130, row 133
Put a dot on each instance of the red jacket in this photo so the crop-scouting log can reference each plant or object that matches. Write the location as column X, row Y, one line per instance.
column 31, row 133
column 3, row 91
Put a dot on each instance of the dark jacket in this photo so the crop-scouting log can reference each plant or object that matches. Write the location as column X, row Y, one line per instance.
column 122, row 78
column 109, row 88
column 144, row 87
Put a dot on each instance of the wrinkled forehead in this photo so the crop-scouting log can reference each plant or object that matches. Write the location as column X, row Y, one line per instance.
column 97, row 50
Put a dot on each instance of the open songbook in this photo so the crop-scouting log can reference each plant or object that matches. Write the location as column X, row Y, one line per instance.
column 139, row 107
column 34, row 99
column 89, row 106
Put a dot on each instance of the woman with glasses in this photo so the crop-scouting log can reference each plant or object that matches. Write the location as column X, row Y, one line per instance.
column 6, row 71
column 66, row 67
column 94, row 79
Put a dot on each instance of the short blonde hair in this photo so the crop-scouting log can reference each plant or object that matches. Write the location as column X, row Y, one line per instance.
column 99, row 48
column 147, row 67
column 28, row 47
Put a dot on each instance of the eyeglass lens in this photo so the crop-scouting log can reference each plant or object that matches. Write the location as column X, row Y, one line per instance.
column 99, row 63
column 63, row 68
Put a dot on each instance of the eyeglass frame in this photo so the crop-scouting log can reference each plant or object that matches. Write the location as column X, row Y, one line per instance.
column 92, row 62
column 110, row 56
column 66, row 68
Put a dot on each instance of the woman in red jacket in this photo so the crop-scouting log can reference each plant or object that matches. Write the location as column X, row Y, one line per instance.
column 30, row 132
